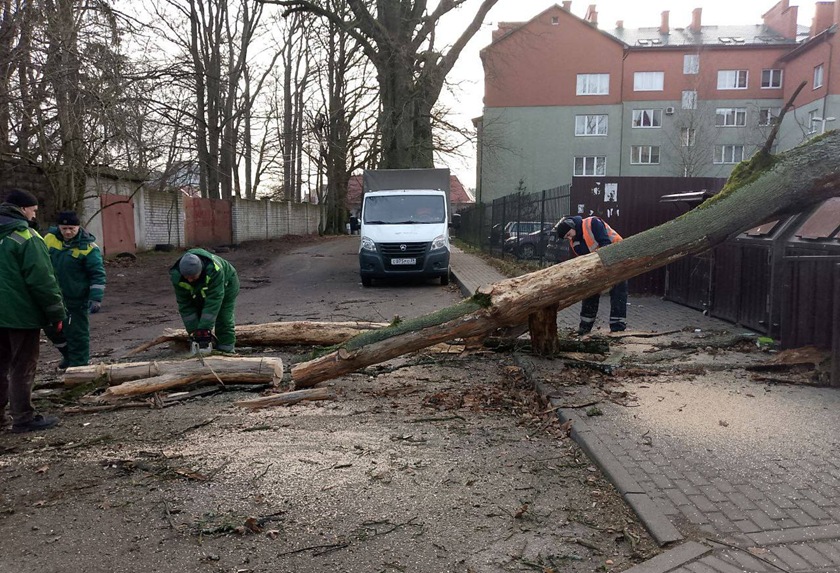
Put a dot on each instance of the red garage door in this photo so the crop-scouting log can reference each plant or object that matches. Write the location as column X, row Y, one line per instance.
column 117, row 225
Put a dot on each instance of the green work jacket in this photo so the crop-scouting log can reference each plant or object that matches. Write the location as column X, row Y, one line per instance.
column 199, row 303
column 29, row 291
column 78, row 266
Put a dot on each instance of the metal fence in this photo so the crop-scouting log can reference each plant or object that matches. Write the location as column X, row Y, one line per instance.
column 517, row 225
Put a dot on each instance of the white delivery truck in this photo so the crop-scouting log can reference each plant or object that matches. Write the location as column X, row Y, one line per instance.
column 405, row 225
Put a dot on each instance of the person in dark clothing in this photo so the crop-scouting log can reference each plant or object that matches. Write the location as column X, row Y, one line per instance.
column 80, row 271
column 586, row 235
column 206, row 287
column 31, row 301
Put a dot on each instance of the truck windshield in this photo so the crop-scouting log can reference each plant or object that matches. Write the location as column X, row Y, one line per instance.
column 404, row 209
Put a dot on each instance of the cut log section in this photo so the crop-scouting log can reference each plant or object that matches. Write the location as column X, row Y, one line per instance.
column 278, row 334
column 288, row 398
column 134, row 379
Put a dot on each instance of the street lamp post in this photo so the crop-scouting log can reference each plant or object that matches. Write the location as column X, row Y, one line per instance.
column 823, row 121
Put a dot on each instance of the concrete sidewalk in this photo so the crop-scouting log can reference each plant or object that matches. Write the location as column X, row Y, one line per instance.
column 730, row 475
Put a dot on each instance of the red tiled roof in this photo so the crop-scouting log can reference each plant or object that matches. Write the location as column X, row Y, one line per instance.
column 458, row 196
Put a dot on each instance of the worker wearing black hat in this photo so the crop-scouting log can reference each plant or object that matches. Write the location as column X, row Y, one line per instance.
column 31, row 301
column 80, row 271
column 586, row 235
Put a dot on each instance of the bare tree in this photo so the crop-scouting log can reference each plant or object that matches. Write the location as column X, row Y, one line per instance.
column 399, row 39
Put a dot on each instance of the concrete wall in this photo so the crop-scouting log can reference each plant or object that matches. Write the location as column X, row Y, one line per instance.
column 264, row 219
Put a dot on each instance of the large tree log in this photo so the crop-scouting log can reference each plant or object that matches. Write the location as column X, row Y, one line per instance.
column 265, row 369
column 763, row 189
column 278, row 334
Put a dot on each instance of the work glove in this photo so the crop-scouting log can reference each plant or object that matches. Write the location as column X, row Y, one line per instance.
column 94, row 306
column 202, row 337
column 58, row 326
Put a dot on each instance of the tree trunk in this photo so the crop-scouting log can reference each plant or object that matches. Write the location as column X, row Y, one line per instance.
column 543, row 327
column 266, row 369
column 279, row 334
column 762, row 190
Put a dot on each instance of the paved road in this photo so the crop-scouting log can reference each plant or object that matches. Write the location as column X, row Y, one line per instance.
column 320, row 281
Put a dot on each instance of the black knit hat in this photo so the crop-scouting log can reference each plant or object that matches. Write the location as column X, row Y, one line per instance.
column 68, row 218
column 564, row 226
column 21, row 198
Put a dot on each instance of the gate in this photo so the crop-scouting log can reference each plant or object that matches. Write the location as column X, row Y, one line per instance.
column 117, row 224
column 208, row 222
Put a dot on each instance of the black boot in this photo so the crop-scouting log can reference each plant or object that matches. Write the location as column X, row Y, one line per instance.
column 65, row 360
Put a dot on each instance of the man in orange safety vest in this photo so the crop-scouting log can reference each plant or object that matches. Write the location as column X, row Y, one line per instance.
column 586, row 235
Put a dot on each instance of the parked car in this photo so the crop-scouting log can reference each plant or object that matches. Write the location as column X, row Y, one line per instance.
column 499, row 235
column 529, row 245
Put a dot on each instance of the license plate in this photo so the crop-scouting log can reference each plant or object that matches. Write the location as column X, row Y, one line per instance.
column 403, row 261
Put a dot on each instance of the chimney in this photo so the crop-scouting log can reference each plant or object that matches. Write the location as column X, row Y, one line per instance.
column 782, row 18
column 663, row 27
column 619, row 25
column 591, row 15
column 567, row 6
column 695, row 20
column 824, row 13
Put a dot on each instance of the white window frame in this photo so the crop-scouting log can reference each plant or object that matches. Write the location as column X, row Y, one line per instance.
column 775, row 78
column 768, row 115
column 688, row 136
column 731, row 117
column 819, row 76
column 648, row 81
column 590, row 166
column 728, row 154
column 689, row 99
column 593, row 84
column 653, row 118
column 591, row 125
column 691, row 64
column 733, row 79
column 644, row 155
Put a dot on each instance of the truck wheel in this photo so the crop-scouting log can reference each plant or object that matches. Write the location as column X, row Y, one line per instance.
column 444, row 279
column 367, row 281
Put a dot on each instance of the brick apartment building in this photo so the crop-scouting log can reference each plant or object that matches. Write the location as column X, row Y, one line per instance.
column 565, row 98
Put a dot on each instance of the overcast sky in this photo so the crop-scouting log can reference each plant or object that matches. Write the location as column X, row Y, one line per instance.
column 635, row 14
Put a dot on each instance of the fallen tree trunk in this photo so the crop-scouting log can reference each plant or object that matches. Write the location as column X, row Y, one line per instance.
column 278, row 334
column 763, row 189
column 288, row 398
column 266, row 369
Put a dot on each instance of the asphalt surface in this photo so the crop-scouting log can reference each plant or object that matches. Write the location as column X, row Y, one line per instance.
column 730, row 476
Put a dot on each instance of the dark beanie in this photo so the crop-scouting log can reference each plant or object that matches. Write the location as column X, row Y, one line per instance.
column 21, row 198
column 190, row 265
column 564, row 226
column 68, row 218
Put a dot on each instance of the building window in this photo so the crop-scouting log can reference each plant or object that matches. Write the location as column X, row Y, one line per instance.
column 691, row 64
column 644, row 154
column 689, row 99
column 590, row 125
column 731, row 117
column 590, row 166
column 768, row 115
column 812, row 122
column 688, row 135
column 771, row 78
column 729, row 154
column 732, row 79
column 818, row 76
column 647, row 118
column 648, row 81
column 593, row 84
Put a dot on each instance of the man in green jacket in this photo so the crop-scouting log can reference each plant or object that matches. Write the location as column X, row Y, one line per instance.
column 31, row 300
column 80, row 271
column 206, row 287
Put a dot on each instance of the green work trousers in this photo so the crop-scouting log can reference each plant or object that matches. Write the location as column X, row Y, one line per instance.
column 74, row 339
